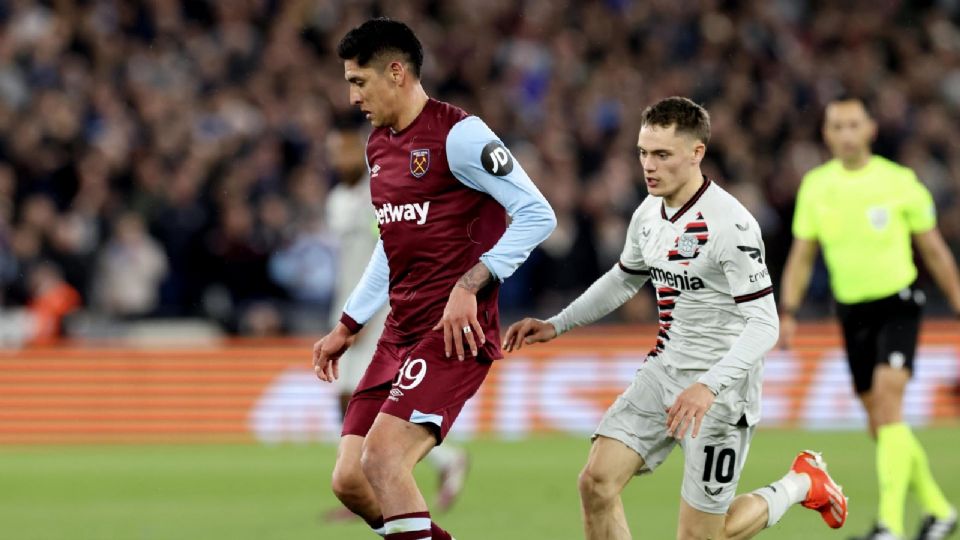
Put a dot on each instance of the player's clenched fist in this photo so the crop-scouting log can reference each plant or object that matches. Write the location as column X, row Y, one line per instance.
column 327, row 352
column 528, row 331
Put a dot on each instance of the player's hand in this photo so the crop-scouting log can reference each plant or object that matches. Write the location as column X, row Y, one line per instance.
column 459, row 323
column 528, row 331
column 788, row 329
column 688, row 409
column 327, row 352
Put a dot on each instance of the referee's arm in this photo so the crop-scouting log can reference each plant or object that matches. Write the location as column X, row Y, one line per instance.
column 793, row 285
column 939, row 261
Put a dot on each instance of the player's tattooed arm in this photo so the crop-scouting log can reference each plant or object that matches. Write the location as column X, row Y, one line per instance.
column 476, row 278
column 459, row 322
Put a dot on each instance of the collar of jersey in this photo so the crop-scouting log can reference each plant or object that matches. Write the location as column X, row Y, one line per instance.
column 689, row 204
column 416, row 120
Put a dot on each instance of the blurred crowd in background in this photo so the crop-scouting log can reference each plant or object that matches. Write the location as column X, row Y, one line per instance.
column 172, row 158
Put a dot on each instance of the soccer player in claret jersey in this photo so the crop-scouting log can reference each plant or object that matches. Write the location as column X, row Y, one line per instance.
column 700, row 385
column 442, row 185
column 348, row 216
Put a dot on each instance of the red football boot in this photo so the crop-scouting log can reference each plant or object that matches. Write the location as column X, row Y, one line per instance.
column 824, row 496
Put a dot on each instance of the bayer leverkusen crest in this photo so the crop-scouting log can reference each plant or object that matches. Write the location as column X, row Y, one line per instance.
column 419, row 162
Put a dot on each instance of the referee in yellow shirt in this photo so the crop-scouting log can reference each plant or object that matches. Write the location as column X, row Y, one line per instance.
column 864, row 210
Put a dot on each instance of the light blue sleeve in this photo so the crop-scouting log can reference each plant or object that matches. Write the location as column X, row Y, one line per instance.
column 372, row 291
column 480, row 161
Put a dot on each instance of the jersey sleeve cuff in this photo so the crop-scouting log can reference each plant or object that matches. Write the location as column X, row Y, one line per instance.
column 351, row 324
column 557, row 324
column 491, row 264
column 711, row 383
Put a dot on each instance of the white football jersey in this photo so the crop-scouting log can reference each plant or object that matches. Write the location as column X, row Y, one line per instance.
column 707, row 264
column 348, row 216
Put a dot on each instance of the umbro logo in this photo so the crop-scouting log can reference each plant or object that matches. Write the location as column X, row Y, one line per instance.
column 753, row 252
column 743, row 227
column 375, row 171
column 713, row 492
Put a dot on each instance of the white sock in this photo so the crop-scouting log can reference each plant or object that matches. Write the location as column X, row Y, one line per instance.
column 382, row 531
column 443, row 456
column 419, row 524
column 783, row 494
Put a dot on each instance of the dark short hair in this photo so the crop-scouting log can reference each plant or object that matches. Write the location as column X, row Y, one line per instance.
column 846, row 96
column 381, row 36
column 687, row 116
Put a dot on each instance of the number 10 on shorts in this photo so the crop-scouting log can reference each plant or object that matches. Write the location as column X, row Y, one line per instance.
column 725, row 463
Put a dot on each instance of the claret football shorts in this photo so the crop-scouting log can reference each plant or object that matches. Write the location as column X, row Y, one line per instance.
column 427, row 387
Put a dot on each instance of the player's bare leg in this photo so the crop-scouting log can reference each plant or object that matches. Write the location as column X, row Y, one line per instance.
column 391, row 450
column 609, row 468
column 746, row 517
column 351, row 486
column 344, row 479
column 694, row 524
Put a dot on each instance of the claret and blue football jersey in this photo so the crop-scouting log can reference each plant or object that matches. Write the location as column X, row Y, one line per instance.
column 442, row 189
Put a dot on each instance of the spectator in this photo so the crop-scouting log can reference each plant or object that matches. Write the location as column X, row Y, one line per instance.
column 51, row 299
column 185, row 111
column 129, row 270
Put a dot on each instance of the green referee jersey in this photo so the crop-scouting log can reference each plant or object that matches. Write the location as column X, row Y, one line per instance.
column 863, row 220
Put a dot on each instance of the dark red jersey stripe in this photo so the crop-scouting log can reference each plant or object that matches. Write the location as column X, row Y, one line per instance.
column 753, row 296
column 632, row 271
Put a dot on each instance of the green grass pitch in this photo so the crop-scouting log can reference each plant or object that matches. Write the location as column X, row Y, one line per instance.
column 517, row 490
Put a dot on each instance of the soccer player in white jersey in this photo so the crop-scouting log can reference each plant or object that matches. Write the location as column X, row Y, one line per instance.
column 347, row 215
column 700, row 385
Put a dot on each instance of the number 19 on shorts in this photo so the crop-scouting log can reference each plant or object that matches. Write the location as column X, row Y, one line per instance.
column 411, row 373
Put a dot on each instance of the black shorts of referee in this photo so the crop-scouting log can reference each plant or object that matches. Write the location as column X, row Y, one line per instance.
column 883, row 331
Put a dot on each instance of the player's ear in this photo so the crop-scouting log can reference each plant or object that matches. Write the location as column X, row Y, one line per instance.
column 396, row 72
column 699, row 150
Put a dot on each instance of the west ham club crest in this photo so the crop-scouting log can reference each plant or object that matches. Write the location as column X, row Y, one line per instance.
column 419, row 162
